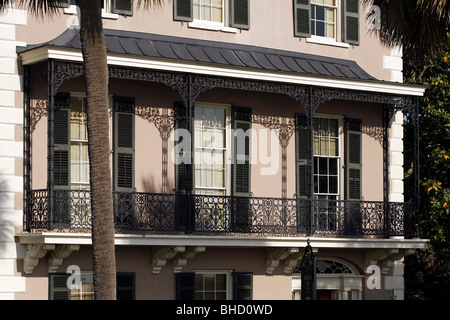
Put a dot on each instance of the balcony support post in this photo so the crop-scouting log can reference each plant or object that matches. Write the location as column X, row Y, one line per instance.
column 26, row 148
column 50, row 140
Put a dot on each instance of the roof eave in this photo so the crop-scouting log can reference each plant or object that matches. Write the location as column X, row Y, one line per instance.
column 45, row 52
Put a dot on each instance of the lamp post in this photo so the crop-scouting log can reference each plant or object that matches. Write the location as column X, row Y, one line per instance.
column 308, row 272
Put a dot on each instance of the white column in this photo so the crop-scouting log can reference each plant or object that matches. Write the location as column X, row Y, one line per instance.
column 11, row 154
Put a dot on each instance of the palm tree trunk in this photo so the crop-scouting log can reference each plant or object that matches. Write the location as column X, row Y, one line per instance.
column 96, row 78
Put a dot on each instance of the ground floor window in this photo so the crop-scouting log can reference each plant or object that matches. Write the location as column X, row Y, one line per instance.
column 83, row 287
column 212, row 286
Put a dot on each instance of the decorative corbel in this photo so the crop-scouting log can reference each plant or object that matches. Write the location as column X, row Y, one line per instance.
column 60, row 253
column 275, row 255
column 182, row 258
column 160, row 255
column 394, row 255
column 33, row 253
column 292, row 261
column 385, row 258
column 372, row 257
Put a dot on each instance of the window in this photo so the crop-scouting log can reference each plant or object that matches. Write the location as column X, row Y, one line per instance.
column 214, row 285
column 125, row 286
column 326, row 158
column 82, row 291
column 79, row 160
column 332, row 22
column 219, row 15
column 210, row 150
column 327, row 162
column 324, row 18
column 110, row 8
column 211, row 286
column 209, row 10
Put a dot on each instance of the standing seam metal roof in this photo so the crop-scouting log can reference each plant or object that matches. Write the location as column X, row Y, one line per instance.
column 216, row 53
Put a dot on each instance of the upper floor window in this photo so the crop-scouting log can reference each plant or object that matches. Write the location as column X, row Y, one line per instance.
column 209, row 10
column 324, row 18
column 110, row 8
column 327, row 21
column 223, row 15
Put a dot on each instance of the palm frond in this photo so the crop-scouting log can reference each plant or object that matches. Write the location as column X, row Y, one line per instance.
column 37, row 7
column 407, row 23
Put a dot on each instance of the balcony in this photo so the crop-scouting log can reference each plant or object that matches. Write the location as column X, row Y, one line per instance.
column 168, row 213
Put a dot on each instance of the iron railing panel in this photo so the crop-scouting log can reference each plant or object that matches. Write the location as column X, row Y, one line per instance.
column 153, row 212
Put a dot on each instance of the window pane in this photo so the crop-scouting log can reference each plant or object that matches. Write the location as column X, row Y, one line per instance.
column 198, row 282
column 209, row 282
column 323, row 184
column 333, row 166
column 221, row 296
column 320, row 29
column 323, row 165
column 333, row 184
column 221, row 282
column 320, row 13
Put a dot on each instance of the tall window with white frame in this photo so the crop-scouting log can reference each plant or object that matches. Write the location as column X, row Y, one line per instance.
column 326, row 158
column 79, row 159
column 210, row 148
column 324, row 18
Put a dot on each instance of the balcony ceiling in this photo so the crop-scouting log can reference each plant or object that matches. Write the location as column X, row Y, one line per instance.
column 213, row 53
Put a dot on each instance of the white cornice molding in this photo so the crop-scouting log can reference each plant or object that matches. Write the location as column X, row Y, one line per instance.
column 44, row 53
column 51, row 238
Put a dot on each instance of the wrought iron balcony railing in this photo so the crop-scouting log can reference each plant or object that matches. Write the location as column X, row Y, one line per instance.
column 225, row 214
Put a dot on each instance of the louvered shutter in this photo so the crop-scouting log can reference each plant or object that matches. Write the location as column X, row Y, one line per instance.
column 354, row 159
column 124, row 7
column 301, row 141
column 61, row 136
column 242, row 121
column 185, row 286
column 243, row 286
column 58, row 287
column 125, row 285
column 240, row 14
column 180, row 169
column 302, row 18
column 124, row 144
column 351, row 21
column 183, row 10
column 62, row 3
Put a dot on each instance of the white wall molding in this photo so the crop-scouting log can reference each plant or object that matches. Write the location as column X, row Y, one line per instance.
column 11, row 149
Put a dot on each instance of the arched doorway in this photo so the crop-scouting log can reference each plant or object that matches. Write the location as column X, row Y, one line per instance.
column 336, row 280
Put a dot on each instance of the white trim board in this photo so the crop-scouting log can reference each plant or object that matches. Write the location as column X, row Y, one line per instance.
column 224, row 241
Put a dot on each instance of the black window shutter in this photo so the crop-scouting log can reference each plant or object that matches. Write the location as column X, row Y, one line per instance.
column 354, row 158
column 301, row 145
column 183, row 10
column 240, row 14
column 242, row 176
column 185, row 286
column 302, row 18
column 124, row 144
column 243, row 286
column 125, row 285
column 58, row 286
column 351, row 21
column 180, row 169
column 61, row 136
column 124, row 7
